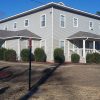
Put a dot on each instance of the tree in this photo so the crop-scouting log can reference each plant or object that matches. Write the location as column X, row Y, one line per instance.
column 98, row 13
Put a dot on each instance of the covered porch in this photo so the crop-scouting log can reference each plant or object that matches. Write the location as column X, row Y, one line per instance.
column 83, row 43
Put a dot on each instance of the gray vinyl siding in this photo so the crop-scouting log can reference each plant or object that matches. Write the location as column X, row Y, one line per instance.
column 34, row 26
column 62, row 33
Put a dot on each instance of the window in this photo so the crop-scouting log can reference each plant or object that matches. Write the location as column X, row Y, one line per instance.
column 62, row 21
column 15, row 25
column 62, row 44
column 26, row 23
column 75, row 22
column 43, row 20
column 99, row 25
column 91, row 25
column 6, row 27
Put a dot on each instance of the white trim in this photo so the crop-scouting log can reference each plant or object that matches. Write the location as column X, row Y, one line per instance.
column 52, row 34
column 5, row 45
column 82, row 38
column 14, row 25
column 84, row 52
column 77, row 22
column 19, row 50
column 28, row 22
column 93, row 46
column 64, row 21
column 41, row 20
column 91, row 28
column 20, row 37
column 68, row 48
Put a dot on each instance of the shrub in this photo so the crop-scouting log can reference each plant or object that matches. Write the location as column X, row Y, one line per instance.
column 25, row 55
column 89, row 58
column 59, row 55
column 2, row 51
column 75, row 58
column 39, row 55
column 10, row 55
column 96, row 58
column 93, row 58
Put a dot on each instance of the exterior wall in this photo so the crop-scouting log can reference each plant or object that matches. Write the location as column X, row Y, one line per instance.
column 34, row 26
column 63, row 33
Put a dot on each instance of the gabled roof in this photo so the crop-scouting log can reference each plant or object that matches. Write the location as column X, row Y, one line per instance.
column 4, row 34
column 82, row 34
column 54, row 5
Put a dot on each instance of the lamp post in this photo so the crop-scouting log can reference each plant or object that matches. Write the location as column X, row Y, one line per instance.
column 30, row 50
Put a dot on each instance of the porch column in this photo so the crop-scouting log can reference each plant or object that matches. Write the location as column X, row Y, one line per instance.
column 68, row 50
column 73, row 47
column 93, row 46
column 18, row 55
column 84, row 53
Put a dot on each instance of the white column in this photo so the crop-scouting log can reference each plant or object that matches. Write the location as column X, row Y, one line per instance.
column 84, row 53
column 73, row 47
column 93, row 46
column 5, row 46
column 19, row 50
column 68, row 49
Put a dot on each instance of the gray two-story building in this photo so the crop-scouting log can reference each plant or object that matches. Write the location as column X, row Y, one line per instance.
column 51, row 26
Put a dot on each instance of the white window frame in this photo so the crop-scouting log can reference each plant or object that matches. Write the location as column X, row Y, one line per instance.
column 99, row 26
column 77, row 22
column 16, row 25
column 5, row 27
column 44, row 44
column 24, row 23
column 41, row 21
column 60, row 44
column 64, row 21
column 91, row 28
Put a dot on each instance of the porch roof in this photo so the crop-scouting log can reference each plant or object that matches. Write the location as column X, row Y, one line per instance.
column 5, row 34
column 83, row 35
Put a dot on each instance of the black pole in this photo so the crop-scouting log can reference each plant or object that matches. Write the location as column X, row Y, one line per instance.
column 29, row 68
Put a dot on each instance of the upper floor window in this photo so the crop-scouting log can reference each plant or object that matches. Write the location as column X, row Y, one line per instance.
column 6, row 27
column 61, row 44
column 62, row 21
column 75, row 22
column 99, row 25
column 43, row 20
column 90, row 25
column 15, row 25
column 26, row 23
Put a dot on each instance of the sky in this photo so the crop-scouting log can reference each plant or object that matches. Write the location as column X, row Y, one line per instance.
column 12, row 7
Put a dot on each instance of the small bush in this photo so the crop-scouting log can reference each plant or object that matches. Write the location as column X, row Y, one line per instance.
column 93, row 58
column 96, row 58
column 59, row 55
column 39, row 55
column 75, row 58
column 10, row 55
column 89, row 58
column 25, row 55
column 2, row 51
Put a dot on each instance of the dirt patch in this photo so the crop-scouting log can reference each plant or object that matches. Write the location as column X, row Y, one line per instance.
column 76, row 82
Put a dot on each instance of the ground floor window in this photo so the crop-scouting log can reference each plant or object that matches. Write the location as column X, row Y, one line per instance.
column 43, row 44
column 61, row 44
